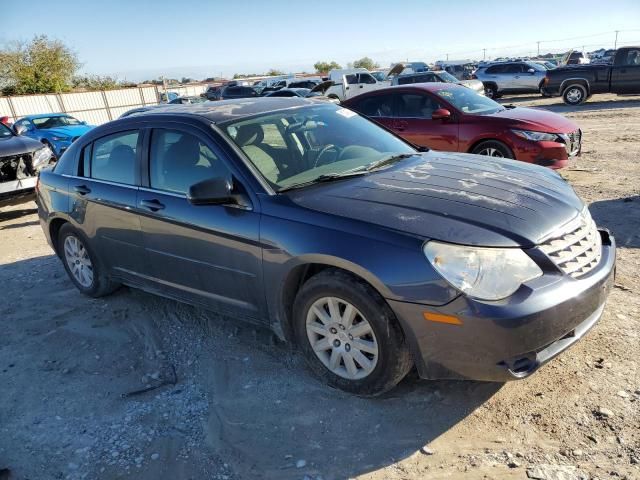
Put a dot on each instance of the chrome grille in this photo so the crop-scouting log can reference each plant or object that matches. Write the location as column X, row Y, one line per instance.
column 572, row 142
column 577, row 248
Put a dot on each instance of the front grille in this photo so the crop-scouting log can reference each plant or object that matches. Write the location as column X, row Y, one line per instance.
column 577, row 248
column 572, row 142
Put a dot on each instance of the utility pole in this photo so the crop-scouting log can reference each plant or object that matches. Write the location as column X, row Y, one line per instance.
column 538, row 42
column 447, row 57
column 615, row 44
column 484, row 54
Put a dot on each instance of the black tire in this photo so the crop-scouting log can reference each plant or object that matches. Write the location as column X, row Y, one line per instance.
column 491, row 91
column 394, row 360
column 574, row 94
column 101, row 284
column 501, row 150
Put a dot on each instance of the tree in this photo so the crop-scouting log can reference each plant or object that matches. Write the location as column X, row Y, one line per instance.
column 39, row 66
column 365, row 62
column 274, row 72
column 95, row 82
column 324, row 67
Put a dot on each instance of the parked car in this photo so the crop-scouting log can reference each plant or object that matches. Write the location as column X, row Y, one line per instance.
column 545, row 63
column 187, row 100
column 236, row 91
column 573, row 57
column 292, row 92
column 21, row 158
column 352, row 82
column 437, row 76
column 366, row 253
column 212, row 92
column 576, row 83
column 452, row 118
column 511, row 77
column 308, row 83
column 168, row 97
column 56, row 130
column 5, row 121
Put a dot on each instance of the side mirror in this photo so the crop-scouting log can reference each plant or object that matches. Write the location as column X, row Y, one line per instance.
column 441, row 114
column 83, row 123
column 531, row 70
column 20, row 129
column 213, row 191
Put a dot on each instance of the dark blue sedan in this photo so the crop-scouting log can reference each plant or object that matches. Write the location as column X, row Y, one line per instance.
column 370, row 255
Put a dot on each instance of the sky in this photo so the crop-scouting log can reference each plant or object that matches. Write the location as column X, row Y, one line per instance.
column 140, row 39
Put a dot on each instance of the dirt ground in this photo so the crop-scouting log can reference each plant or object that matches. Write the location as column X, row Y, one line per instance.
column 233, row 403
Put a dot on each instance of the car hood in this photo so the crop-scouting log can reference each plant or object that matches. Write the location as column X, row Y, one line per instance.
column 69, row 131
column 458, row 198
column 535, row 119
column 16, row 145
column 476, row 85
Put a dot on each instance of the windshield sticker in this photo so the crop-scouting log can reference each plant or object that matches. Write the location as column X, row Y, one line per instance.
column 346, row 113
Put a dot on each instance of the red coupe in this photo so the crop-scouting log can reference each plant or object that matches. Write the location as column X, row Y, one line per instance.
column 454, row 118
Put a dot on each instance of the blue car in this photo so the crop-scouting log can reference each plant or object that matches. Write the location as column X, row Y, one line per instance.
column 56, row 130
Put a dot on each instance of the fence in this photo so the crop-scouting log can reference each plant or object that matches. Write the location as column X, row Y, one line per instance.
column 93, row 107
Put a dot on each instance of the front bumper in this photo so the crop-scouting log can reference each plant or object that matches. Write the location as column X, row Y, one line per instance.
column 508, row 339
column 547, row 153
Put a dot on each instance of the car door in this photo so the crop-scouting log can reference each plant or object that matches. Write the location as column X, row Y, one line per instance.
column 350, row 84
column 496, row 74
column 366, row 83
column 103, row 202
column 528, row 80
column 625, row 74
column 513, row 77
column 204, row 254
column 413, row 122
column 377, row 107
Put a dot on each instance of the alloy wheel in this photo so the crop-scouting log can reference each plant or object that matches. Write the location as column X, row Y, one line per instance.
column 78, row 261
column 342, row 338
column 491, row 152
column 574, row 95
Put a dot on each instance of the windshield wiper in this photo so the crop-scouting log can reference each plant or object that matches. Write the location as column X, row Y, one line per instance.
column 383, row 162
column 327, row 177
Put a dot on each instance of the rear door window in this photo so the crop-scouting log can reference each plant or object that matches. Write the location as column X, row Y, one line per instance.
column 375, row 106
column 352, row 79
column 494, row 69
column 113, row 158
column 632, row 58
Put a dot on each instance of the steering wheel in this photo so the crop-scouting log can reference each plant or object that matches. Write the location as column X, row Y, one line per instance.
column 324, row 150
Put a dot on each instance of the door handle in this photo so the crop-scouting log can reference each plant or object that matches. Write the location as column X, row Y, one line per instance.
column 81, row 189
column 153, row 205
column 361, row 86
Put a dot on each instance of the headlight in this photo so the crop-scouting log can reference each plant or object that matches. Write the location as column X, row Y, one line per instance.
column 536, row 136
column 41, row 157
column 60, row 139
column 483, row 273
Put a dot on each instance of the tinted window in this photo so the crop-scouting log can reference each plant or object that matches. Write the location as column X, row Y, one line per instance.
column 514, row 68
column 375, row 106
column 179, row 160
column 366, row 78
column 114, row 157
column 352, row 79
column 632, row 57
column 416, row 105
column 283, row 93
column 496, row 69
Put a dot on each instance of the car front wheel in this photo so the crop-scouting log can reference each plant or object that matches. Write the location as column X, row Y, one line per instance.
column 493, row 148
column 349, row 335
column 82, row 265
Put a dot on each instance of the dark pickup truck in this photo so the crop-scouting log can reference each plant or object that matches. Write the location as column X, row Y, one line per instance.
column 576, row 83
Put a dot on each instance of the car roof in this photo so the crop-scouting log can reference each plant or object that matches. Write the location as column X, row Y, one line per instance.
column 221, row 111
column 46, row 115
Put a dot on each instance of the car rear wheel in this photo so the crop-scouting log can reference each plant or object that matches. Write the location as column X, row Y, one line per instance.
column 574, row 94
column 349, row 335
column 491, row 91
column 493, row 148
column 82, row 265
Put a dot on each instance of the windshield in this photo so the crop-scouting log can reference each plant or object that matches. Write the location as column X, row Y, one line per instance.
column 380, row 76
column 446, row 77
column 468, row 101
column 53, row 122
column 299, row 145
